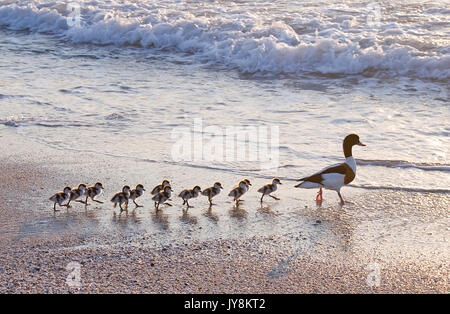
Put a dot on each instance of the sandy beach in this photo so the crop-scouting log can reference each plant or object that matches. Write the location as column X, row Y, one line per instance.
column 289, row 246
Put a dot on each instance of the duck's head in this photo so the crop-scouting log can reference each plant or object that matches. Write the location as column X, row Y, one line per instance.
column 99, row 185
column 217, row 185
column 140, row 187
column 165, row 183
column 350, row 141
column 276, row 181
column 247, row 181
column 82, row 187
column 67, row 190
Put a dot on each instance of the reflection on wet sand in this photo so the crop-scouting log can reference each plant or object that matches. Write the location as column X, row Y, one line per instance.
column 238, row 212
column 266, row 209
column 125, row 218
column 211, row 215
column 160, row 219
column 59, row 222
column 188, row 218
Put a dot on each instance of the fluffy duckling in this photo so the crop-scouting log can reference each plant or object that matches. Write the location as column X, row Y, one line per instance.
column 187, row 194
column 212, row 191
column 60, row 197
column 93, row 191
column 240, row 190
column 122, row 197
column 137, row 192
column 269, row 188
column 160, row 187
column 163, row 196
column 76, row 193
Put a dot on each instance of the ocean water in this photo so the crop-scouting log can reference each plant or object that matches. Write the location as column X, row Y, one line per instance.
column 122, row 78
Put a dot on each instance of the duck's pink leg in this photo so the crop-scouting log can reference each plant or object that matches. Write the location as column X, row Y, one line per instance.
column 319, row 196
column 340, row 196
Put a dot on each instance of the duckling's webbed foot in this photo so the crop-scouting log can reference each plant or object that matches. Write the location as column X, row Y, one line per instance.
column 274, row 197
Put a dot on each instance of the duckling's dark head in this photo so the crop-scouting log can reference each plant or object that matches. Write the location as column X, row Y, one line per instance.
column 126, row 188
column 197, row 188
column 276, row 181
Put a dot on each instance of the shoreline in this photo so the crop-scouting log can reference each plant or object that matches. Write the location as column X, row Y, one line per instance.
column 283, row 247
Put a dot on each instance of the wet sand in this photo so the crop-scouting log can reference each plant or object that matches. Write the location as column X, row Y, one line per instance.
column 291, row 246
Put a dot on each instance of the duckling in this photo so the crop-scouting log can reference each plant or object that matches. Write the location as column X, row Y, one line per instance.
column 137, row 192
column 269, row 188
column 212, row 191
column 93, row 191
column 160, row 187
column 162, row 196
column 186, row 195
column 76, row 193
column 122, row 197
column 240, row 190
column 60, row 197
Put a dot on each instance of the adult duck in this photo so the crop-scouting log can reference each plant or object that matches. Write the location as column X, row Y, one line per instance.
column 336, row 176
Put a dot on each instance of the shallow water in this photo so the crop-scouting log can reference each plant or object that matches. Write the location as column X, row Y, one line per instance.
column 120, row 85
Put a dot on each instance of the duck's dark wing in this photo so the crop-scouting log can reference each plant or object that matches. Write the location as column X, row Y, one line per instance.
column 343, row 169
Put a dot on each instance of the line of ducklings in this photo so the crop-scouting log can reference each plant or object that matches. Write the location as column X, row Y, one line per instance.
column 161, row 194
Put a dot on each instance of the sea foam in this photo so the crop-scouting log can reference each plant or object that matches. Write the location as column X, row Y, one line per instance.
column 239, row 39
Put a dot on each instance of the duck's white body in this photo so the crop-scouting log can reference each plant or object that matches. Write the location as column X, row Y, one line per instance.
column 332, row 180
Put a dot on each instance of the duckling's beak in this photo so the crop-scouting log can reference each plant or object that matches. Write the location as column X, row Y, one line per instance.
column 360, row 144
column 143, row 189
column 221, row 187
